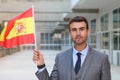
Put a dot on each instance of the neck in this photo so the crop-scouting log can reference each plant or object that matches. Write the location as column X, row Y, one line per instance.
column 80, row 47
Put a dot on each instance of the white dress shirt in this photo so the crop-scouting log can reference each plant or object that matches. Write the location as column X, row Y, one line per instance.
column 84, row 53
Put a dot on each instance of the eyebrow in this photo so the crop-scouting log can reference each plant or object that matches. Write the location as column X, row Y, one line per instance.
column 79, row 28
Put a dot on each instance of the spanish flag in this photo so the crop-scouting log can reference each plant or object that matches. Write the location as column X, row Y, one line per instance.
column 19, row 30
column 2, row 33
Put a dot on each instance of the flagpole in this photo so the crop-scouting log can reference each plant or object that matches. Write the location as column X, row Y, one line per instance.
column 34, row 28
column 36, row 46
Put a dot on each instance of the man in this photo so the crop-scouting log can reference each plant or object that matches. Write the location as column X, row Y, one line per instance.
column 89, row 65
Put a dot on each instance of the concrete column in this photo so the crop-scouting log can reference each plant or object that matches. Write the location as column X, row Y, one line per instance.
column 111, row 37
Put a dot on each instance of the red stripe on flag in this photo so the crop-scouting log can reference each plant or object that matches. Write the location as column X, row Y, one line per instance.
column 16, row 41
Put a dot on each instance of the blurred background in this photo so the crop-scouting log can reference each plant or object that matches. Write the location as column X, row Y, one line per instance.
column 51, row 26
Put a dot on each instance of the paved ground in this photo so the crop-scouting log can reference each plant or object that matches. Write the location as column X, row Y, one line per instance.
column 20, row 66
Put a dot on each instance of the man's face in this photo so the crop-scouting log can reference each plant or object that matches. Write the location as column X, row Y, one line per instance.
column 79, row 32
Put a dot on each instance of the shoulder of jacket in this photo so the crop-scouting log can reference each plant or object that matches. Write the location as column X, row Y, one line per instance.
column 65, row 52
column 96, row 52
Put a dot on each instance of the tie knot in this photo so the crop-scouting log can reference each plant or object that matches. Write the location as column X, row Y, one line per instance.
column 78, row 54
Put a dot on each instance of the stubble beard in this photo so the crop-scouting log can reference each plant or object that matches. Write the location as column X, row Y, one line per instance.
column 79, row 42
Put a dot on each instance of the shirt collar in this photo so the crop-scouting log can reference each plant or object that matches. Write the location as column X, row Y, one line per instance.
column 83, row 52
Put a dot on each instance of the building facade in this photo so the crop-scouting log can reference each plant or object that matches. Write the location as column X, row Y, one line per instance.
column 52, row 16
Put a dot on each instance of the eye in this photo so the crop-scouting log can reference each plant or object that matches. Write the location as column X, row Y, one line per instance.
column 73, row 29
column 82, row 29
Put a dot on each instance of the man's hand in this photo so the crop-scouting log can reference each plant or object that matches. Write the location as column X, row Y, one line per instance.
column 38, row 58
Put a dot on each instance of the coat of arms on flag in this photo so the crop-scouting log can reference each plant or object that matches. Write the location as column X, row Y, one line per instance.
column 20, row 27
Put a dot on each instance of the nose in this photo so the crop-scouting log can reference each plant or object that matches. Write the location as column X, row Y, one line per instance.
column 78, row 32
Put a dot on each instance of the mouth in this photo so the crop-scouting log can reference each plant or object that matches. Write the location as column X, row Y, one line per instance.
column 78, row 38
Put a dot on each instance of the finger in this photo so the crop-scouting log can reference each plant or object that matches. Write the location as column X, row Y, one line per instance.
column 35, row 50
column 35, row 58
column 36, row 53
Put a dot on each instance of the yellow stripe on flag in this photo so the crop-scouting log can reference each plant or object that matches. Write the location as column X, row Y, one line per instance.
column 2, row 35
column 21, row 27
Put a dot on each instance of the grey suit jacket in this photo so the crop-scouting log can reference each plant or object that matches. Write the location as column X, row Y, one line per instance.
column 95, row 67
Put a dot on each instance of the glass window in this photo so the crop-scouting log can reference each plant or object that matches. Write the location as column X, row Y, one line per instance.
column 66, row 38
column 51, row 41
column 105, row 40
column 119, row 18
column 93, row 41
column 119, row 39
column 42, row 38
column 93, row 33
column 116, row 18
column 62, row 39
column 93, row 26
column 116, row 26
column 104, row 22
column 115, row 40
column 46, row 38
column 93, row 38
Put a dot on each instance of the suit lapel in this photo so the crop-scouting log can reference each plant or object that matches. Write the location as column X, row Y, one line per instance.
column 69, row 64
column 86, row 64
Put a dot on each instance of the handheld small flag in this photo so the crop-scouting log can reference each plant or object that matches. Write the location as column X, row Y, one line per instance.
column 19, row 30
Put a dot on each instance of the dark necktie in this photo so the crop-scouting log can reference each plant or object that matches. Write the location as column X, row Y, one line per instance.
column 78, row 63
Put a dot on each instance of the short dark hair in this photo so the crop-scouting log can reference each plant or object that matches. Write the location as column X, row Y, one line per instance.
column 78, row 19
